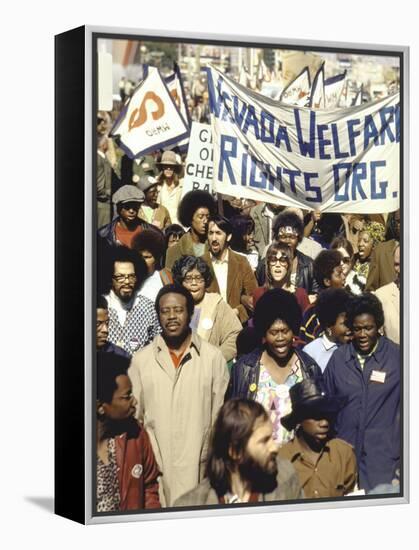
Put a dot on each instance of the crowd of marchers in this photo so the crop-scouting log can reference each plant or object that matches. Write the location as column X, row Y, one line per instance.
column 246, row 352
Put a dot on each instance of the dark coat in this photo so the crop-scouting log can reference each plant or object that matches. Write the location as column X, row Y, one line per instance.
column 370, row 420
column 108, row 233
column 245, row 373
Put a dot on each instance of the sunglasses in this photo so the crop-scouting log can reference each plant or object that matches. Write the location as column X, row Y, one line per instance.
column 283, row 260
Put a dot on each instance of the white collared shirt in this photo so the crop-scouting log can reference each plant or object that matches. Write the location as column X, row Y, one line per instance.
column 221, row 271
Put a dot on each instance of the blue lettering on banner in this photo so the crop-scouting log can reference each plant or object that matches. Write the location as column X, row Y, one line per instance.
column 270, row 176
column 359, row 173
column 292, row 175
column 251, row 120
column 244, row 169
column 397, row 121
column 226, row 114
column 312, row 188
column 370, row 131
column 387, row 116
column 238, row 116
column 279, row 179
column 253, row 181
column 306, row 147
column 267, row 134
column 338, row 153
column 383, row 184
column 341, row 195
column 357, row 176
column 323, row 142
column 228, row 148
column 214, row 98
column 282, row 135
column 353, row 134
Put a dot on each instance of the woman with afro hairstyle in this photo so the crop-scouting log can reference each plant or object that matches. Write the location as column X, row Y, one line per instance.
column 150, row 244
column 331, row 309
column 269, row 371
column 195, row 210
column 328, row 272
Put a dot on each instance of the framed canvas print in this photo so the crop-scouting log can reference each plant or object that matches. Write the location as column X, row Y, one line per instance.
column 231, row 275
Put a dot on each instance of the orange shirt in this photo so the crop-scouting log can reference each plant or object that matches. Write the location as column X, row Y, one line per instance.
column 124, row 236
column 177, row 357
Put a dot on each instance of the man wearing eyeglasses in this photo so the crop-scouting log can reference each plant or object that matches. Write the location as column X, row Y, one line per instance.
column 133, row 322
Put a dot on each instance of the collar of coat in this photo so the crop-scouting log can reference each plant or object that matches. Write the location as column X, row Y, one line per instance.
column 379, row 353
column 160, row 344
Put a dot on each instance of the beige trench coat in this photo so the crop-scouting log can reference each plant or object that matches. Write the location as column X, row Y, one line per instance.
column 178, row 408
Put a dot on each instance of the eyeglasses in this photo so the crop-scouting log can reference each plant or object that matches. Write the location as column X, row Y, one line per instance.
column 121, row 278
column 192, row 278
column 131, row 205
column 283, row 260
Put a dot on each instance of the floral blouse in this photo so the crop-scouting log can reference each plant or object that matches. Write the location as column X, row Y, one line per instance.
column 275, row 398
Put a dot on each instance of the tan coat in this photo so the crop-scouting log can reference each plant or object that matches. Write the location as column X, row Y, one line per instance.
column 178, row 408
column 389, row 296
column 240, row 280
column 219, row 325
column 381, row 271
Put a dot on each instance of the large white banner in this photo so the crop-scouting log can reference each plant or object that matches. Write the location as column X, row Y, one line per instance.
column 340, row 160
column 150, row 120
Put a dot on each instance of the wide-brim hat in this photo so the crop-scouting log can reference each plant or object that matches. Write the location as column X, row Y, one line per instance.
column 309, row 399
column 128, row 193
column 169, row 158
column 145, row 182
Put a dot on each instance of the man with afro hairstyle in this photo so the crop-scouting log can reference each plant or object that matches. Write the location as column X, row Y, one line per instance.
column 195, row 210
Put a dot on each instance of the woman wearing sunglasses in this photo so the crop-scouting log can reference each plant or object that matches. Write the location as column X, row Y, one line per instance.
column 278, row 269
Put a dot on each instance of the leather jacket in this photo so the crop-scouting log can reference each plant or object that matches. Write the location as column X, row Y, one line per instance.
column 305, row 274
column 244, row 378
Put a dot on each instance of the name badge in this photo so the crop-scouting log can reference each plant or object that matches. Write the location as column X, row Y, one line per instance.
column 378, row 376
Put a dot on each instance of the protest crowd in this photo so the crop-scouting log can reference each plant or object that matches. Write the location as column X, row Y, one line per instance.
column 247, row 350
